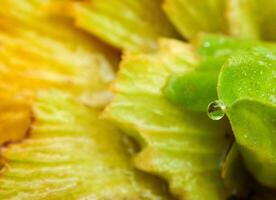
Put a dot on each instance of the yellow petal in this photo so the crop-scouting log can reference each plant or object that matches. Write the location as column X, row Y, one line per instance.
column 41, row 51
column 193, row 17
column 15, row 118
column 126, row 24
column 71, row 154
column 184, row 147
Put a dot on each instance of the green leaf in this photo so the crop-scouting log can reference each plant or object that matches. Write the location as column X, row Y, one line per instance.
column 249, row 74
column 234, row 173
column 247, row 87
column 126, row 24
column 184, row 147
column 219, row 46
column 254, row 126
column 194, row 90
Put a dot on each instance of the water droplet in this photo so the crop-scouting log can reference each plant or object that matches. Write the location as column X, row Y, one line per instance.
column 216, row 110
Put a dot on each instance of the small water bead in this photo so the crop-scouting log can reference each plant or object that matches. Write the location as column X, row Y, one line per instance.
column 216, row 110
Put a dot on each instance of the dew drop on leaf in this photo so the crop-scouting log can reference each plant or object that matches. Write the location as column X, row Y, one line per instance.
column 216, row 110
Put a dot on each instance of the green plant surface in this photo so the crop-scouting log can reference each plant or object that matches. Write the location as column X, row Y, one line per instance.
column 247, row 87
column 54, row 75
column 194, row 90
column 254, row 126
column 186, row 148
column 234, row 173
column 249, row 74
